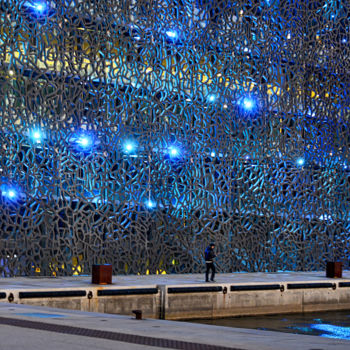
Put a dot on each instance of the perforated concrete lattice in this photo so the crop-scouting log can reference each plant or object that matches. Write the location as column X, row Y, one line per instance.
column 136, row 132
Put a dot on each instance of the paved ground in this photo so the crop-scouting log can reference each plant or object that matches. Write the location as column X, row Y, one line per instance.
column 31, row 327
column 174, row 279
column 28, row 327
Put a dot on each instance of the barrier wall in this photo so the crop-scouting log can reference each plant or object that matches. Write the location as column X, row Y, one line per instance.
column 196, row 301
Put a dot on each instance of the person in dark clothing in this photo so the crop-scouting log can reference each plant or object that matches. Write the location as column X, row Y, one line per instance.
column 209, row 256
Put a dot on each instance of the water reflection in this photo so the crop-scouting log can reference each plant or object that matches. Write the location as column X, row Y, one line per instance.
column 331, row 331
column 334, row 324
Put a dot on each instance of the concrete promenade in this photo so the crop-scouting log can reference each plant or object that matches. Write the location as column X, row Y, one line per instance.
column 187, row 296
column 110, row 324
column 170, row 279
column 40, row 328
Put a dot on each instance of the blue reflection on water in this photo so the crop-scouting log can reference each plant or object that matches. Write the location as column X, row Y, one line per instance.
column 332, row 324
column 332, row 331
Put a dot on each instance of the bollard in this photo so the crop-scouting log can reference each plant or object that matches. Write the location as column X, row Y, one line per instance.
column 102, row 274
column 334, row 269
column 138, row 314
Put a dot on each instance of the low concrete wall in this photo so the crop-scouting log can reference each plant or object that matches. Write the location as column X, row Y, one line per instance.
column 255, row 302
column 193, row 301
column 95, row 299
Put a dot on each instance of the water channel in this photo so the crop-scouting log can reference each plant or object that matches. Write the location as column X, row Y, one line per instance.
column 335, row 324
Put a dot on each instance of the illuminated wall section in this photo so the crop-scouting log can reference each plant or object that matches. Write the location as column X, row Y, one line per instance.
column 136, row 132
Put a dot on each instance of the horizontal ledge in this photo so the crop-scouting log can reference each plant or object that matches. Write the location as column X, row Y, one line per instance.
column 344, row 284
column 174, row 290
column 52, row 294
column 2, row 295
column 138, row 291
column 255, row 287
column 309, row 285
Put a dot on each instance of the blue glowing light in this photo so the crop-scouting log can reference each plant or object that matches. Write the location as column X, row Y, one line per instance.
column 39, row 6
column 172, row 34
column 248, row 103
column 36, row 135
column 212, row 154
column 174, row 151
column 211, row 98
column 84, row 141
column 300, row 161
column 150, row 204
column 9, row 192
column 129, row 147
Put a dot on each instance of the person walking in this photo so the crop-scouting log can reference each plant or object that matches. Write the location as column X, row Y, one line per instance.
column 209, row 256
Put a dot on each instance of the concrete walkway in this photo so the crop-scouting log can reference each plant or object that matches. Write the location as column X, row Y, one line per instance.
column 28, row 327
column 38, row 283
column 35, row 327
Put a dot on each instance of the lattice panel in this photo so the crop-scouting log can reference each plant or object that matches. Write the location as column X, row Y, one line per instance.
column 136, row 132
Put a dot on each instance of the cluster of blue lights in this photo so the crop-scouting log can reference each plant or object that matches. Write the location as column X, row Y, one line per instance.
column 247, row 104
column 85, row 141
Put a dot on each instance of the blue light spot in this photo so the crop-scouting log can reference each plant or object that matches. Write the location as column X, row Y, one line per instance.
column 9, row 192
column 174, row 152
column 129, row 147
column 300, row 161
column 150, row 204
column 172, row 34
column 36, row 135
column 212, row 154
column 39, row 7
column 248, row 103
column 211, row 98
column 84, row 141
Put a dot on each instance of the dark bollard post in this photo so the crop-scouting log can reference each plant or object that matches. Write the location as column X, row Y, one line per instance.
column 138, row 314
column 334, row 269
column 101, row 274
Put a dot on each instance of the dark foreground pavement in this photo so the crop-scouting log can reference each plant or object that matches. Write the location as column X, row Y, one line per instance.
column 30, row 327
